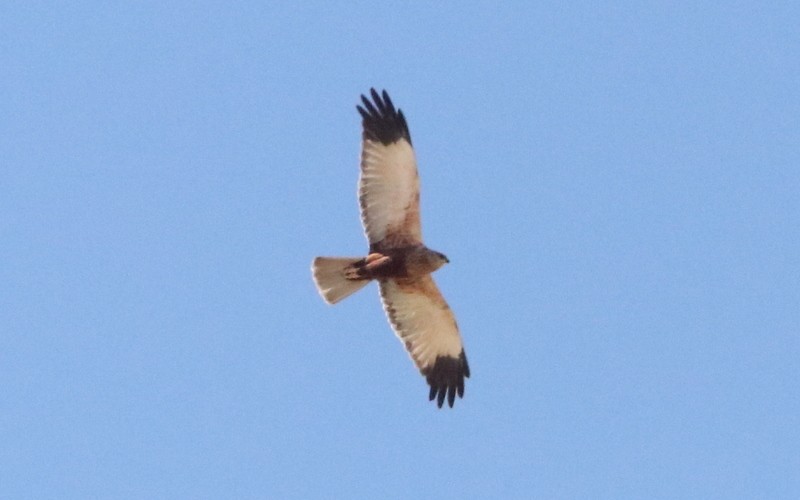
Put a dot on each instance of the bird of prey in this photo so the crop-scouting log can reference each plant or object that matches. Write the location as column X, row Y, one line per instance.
column 388, row 194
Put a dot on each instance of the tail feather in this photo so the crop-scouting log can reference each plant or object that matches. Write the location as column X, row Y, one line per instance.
column 330, row 279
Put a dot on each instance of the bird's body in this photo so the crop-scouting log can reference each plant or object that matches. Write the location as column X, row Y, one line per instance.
column 405, row 262
column 397, row 258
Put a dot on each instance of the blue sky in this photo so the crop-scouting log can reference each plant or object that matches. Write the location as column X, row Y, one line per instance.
column 617, row 187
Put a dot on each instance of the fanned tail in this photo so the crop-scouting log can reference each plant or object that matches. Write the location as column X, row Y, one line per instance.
column 329, row 276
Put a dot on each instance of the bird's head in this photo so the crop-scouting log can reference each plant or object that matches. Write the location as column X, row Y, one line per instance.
column 439, row 259
column 423, row 260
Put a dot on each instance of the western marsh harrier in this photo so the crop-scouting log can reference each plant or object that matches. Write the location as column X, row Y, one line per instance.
column 388, row 193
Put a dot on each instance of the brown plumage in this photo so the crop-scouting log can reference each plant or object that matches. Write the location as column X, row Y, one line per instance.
column 398, row 259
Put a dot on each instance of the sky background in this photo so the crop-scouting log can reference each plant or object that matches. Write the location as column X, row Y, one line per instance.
column 617, row 187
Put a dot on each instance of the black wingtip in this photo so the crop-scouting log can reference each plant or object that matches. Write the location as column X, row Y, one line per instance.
column 446, row 379
column 380, row 120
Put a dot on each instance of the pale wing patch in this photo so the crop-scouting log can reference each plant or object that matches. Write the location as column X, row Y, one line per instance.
column 422, row 319
column 388, row 192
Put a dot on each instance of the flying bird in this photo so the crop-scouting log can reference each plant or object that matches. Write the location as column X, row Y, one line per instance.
column 388, row 194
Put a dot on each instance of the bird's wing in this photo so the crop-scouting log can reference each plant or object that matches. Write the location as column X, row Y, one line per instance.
column 388, row 189
column 424, row 322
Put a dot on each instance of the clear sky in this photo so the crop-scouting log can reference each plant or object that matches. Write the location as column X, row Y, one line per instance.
column 617, row 187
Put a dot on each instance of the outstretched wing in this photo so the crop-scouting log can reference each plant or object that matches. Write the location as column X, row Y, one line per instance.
column 424, row 322
column 388, row 189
